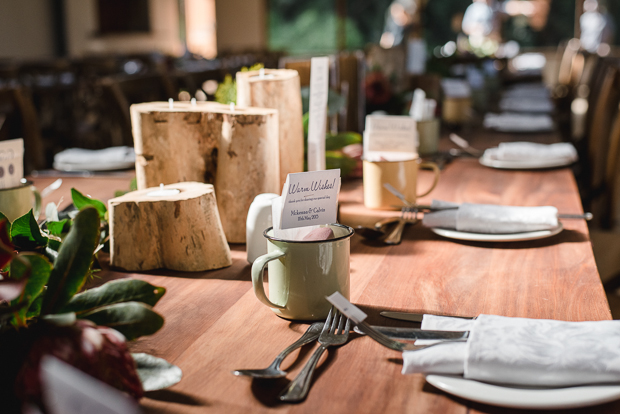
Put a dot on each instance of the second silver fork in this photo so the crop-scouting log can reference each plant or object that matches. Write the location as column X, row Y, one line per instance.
column 335, row 332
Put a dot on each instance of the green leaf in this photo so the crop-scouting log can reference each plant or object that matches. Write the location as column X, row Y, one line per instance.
column 25, row 232
column 116, row 291
column 341, row 140
column 40, row 269
column 73, row 262
column 80, row 201
column 132, row 319
column 336, row 159
column 156, row 373
column 35, row 307
column 58, row 227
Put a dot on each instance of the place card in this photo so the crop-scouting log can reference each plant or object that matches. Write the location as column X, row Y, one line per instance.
column 319, row 82
column 308, row 200
column 67, row 390
column 347, row 308
column 388, row 133
column 455, row 88
column 11, row 163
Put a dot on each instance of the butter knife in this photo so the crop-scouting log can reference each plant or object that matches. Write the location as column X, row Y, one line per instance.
column 414, row 317
column 414, row 333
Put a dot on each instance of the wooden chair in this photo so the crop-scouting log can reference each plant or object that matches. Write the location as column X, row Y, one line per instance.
column 19, row 120
column 120, row 92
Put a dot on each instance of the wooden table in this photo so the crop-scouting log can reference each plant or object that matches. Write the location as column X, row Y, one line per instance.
column 215, row 324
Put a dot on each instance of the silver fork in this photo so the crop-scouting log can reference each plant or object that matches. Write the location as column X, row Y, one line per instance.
column 273, row 370
column 407, row 216
column 332, row 334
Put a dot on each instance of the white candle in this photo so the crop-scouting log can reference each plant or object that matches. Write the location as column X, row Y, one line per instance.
column 232, row 107
column 193, row 101
column 163, row 192
column 171, row 103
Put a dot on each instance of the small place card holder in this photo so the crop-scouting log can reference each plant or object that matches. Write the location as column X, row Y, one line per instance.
column 390, row 138
column 174, row 227
column 11, row 163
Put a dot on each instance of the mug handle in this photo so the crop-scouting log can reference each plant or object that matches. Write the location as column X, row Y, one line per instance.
column 37, row 202
column 258, row 269
column 435, row 168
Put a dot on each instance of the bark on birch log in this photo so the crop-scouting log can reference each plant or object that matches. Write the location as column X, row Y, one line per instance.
column 175, row 231
column 236, row 150
column 278, row 89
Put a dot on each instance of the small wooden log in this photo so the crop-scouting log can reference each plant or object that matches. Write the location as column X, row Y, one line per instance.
column 177, row 232
column 278, row 89
column 234, row 149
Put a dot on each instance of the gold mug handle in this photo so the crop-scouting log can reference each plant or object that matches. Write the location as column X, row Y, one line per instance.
column 435, row 168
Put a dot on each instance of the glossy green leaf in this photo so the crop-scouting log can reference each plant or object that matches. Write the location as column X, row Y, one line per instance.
column 73, row 262
column 336, row 159
column 25, row 232
column 35, row 306
column 156, row 373
column 58, row 227
column 132, row 319
column 40, row 269
column 80, row 201
column 115, row 291
column 341, row 140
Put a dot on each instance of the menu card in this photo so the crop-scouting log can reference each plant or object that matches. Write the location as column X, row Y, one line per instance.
column 308, row 200
column 11, row 163
column 68, row 390
column 319, row 78
column 390, row 138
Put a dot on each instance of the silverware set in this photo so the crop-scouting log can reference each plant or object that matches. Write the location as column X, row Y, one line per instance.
column 335, row 332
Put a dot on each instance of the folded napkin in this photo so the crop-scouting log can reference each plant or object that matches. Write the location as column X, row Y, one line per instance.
column 490, row 219
column 520, row 351
column 528, row 104
column 518, row 122
column 529, row 151
column 80, row 156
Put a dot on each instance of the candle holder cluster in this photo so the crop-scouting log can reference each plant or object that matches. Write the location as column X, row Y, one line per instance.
column 242, row 150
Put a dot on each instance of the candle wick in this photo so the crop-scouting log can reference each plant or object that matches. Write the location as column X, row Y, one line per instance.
column 171, row 103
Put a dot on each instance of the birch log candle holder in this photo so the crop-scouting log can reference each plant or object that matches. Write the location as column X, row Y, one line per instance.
column 278, row 89
column 236, row 149
column 174, row 227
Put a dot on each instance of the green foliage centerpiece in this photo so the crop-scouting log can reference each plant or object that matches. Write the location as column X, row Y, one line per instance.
column 44, row 309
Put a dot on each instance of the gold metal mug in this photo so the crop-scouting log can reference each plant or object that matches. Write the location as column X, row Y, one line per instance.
column 17, row 201
column 402, row 175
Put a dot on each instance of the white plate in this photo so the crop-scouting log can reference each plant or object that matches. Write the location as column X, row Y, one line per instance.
column 108, row 166
column 524, row 165
column 489, row 237
column 529, row 398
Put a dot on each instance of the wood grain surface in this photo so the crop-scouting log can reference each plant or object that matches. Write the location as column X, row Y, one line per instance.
column 215, row 324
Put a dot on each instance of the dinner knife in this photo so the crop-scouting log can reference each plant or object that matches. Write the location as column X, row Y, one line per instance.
column 414, row 317
column 414, row 333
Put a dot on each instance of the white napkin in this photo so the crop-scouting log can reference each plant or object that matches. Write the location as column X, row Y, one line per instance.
column 539, row 105
column 528, row 151
column 520, row 351
column 518, row 122
column 491, row 219
column 80, row 156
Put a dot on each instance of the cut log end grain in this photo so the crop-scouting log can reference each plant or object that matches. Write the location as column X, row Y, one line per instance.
column 177, row 232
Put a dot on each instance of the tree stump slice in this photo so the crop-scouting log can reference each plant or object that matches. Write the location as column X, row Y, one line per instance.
column 208, row 142
column 177, row 232
column 278, row 89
